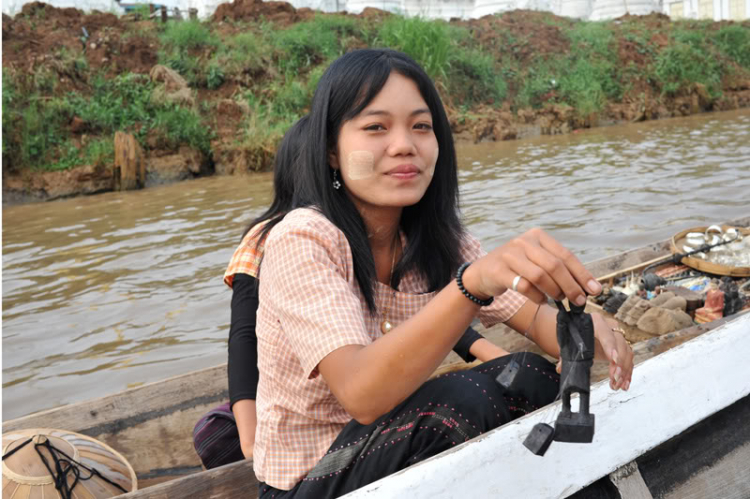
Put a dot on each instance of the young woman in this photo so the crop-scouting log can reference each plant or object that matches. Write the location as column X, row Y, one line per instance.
column 359, row 304
column 227, row 433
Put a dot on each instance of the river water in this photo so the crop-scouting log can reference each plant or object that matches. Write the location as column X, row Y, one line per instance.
column 107, row 292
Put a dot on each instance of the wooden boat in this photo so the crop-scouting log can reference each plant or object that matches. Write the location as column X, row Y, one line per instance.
column 675, row 432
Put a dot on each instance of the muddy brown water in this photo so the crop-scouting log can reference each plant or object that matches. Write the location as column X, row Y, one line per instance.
column 112, row 291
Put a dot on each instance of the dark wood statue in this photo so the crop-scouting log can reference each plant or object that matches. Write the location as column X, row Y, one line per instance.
column 575, row 334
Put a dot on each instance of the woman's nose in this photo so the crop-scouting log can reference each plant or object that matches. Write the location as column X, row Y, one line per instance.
column 402, row 143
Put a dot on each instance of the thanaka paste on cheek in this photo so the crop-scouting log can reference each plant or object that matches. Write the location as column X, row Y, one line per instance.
column 431, row 167
column 361, row 165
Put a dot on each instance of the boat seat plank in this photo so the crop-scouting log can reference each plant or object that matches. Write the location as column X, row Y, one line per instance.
column 232, row 480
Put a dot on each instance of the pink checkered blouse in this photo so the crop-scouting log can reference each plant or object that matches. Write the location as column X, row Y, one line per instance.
column 311, row 305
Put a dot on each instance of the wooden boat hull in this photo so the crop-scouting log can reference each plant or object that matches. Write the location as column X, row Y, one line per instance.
column 152, row 425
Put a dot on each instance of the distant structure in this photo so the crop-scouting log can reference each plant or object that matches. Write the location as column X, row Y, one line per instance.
column 593, row 10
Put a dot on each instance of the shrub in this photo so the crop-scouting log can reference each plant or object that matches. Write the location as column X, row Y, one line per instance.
column 214, row 76
column 681, row 64
column 187, row 35
column 473, row 76
column 734, row 42
column 427, row 42
column 241, row 53
column 179, row 126
column 311, row 42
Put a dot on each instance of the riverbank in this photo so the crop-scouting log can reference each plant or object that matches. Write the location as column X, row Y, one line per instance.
column 215, row 97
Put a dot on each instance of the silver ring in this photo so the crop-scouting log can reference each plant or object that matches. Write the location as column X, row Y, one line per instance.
column 516, row 280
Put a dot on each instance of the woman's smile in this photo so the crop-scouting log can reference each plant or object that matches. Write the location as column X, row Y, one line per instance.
column 404, row 172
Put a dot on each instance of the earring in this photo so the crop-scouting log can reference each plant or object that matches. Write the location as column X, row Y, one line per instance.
column 336, row 183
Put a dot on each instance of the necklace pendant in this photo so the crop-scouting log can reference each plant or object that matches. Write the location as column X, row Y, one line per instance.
column 386, row 327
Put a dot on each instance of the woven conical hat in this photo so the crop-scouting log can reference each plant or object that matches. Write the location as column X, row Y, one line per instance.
column 25, row 475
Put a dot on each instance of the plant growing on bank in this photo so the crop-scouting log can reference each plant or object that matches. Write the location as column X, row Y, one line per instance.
column 307, row 44
column 474, row 76
column 181, row 42
column 734, row 42
column 585, row 78
column 688, row 60
column 244, row 53
column 427, row 42
column 271, row 116
column 35, row 129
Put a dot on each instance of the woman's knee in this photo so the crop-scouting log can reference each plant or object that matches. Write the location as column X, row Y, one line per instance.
column 471, row 395
column 529, row 380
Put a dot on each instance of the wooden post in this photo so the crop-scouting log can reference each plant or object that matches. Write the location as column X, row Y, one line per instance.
column 150, row 8
column 193, row 13
column 164, row 14
column 129, row 162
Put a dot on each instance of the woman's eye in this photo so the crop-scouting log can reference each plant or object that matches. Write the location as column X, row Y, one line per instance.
column 423, row 126
column 375, row 128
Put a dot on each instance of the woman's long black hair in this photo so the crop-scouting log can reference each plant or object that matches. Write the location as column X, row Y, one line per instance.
column 285, row 170
column 432, row 226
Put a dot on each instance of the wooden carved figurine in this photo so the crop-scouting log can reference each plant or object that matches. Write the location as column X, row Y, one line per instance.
column 575, row 334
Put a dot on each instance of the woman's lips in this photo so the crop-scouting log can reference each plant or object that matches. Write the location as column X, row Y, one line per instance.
column 404, row 172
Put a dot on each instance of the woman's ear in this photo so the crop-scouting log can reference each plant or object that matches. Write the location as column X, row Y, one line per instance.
column 333, row 160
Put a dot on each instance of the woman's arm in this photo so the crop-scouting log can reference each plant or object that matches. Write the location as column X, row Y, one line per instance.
column 242, row 366
column 370, row 380
column 247, row 421
column 473, row 346
column 303, row 273
column 485, row 350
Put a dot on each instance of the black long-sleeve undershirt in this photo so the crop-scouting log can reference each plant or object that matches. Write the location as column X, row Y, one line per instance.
column 242, row 366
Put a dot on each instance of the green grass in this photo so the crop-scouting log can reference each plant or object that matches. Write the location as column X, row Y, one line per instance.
column 307, row 44
column 41, row 130
column 271, row 114
column 35, row 128
column 681, row 65
column 427, row 42
column 276, row 70
column 474, row 76
column 734, row 42
column 586, row 78
column 181, row 43
column 98, row 152
column 246, row 52
column 187, row 35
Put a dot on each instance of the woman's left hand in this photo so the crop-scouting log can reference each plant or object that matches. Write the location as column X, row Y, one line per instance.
column 612, row 346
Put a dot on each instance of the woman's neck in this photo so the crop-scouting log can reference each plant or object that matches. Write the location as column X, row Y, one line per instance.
column 383, row 233
column 382, row 227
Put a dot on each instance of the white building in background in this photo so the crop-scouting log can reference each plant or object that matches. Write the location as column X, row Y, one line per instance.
column 445, row 9
column 735, row 10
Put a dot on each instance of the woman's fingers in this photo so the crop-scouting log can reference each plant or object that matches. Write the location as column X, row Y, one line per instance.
column 616, row 350
column 534, row 283
column 544, row 267
column 577, row 270
column 558, row 280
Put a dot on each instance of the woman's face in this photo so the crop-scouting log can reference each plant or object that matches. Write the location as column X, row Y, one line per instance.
column 386, row 155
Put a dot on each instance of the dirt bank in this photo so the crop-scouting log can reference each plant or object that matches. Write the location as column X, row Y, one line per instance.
column 229, row 96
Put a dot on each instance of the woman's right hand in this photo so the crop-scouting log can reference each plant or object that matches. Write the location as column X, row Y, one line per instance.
column 545, row 266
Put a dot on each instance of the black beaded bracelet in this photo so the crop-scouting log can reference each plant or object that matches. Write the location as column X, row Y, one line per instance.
column 460, row 282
